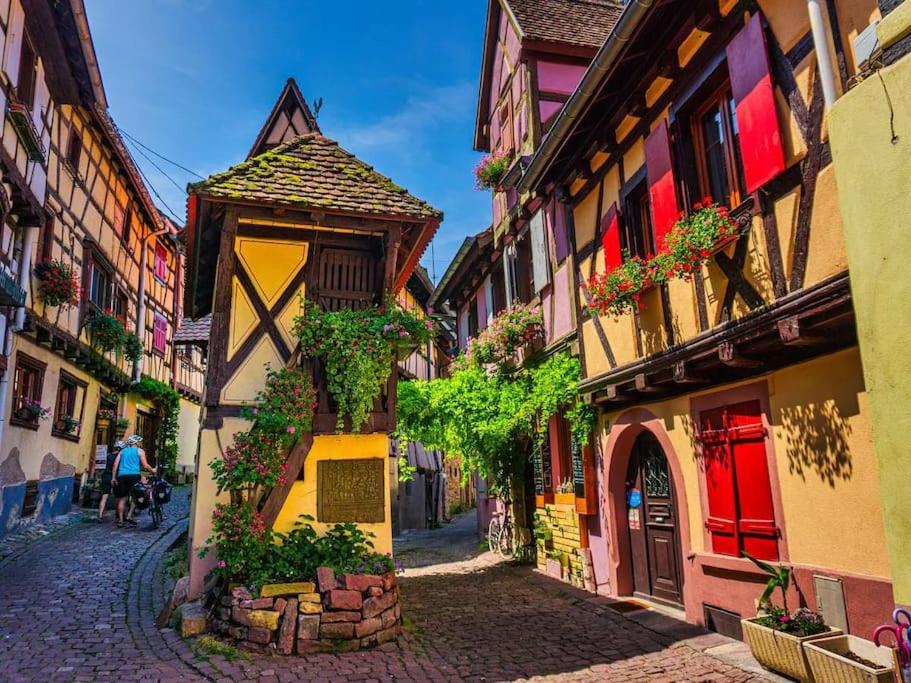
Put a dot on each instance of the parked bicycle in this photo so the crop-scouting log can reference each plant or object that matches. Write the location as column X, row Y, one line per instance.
column 153, row 495
column 501, row 533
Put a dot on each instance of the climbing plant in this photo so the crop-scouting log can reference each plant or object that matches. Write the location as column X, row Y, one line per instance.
column 357, row 349
column 168, row 401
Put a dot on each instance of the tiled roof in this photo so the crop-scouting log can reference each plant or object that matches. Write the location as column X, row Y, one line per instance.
column 190, row 331
column 578, row 22
column 313, row 172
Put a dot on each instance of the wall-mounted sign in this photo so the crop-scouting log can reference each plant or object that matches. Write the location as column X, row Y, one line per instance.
column 634, row 519
column 634, row 498
column 351, row 490
column 101, row 456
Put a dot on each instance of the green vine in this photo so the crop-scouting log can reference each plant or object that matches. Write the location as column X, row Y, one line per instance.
column 132, row 347
column 106, row 331
column 357, row 349
column 168, row 401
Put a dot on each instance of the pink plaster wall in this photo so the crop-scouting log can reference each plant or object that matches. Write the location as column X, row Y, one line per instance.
column 559, row 78
column 562, row 322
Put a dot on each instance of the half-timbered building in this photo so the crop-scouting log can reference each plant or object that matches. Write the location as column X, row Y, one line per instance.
column 76, row 200
column 300, row 217
column 733, row 408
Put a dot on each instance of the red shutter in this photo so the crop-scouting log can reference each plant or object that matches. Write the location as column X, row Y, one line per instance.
column 757, row 119
column 610, row 239
column 719, row 483
column 159, row 333
column 161, row 262
column 756, row 519
column 662, row 187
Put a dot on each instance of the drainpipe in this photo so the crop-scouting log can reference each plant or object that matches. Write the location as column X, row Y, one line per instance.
column 820, row 28
column 141, row 307
column 25, row 270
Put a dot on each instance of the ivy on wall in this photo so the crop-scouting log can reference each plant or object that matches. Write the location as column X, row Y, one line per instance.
column 167, row 400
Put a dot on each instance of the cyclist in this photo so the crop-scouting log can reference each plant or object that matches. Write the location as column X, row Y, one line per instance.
column 107, row 477
column 127, row 472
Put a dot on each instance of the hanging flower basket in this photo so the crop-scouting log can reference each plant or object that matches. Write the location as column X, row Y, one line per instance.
column 58, row 284
column 106, row 331
column 513, row 329
column 104, row 417
column 490, row 170
column 121, row 426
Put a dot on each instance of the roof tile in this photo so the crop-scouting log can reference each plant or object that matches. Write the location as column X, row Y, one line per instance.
column 577, row 22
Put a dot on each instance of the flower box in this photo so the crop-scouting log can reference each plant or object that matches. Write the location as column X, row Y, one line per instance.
column 779, row 651
column 828, row 661
column 565, row 499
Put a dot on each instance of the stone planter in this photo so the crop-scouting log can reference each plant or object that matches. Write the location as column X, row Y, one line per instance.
column 334, row 614
column 828, row 662
column 781, row 652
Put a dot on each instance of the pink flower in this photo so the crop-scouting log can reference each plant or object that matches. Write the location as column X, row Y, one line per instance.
column 221, row 564
column 255, row 411
column 291, row 429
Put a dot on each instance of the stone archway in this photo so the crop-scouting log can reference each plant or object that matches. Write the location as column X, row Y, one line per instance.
column 618, row 450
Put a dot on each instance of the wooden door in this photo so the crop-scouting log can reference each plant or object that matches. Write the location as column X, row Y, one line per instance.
column 654, row 544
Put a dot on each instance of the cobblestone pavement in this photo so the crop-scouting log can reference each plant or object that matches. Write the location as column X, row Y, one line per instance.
column 80, row 604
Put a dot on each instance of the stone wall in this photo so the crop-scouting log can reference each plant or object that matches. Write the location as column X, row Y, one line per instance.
column 337, row 613
column 561, row 552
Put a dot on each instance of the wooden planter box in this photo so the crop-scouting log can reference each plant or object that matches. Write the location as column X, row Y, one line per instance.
column 828, row 663
column 565, row 499
column 781, row 652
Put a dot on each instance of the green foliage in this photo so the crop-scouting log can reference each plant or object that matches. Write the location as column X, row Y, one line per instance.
column 779, row 577
column 507, row 333
column 357, row 349
column 254, row 555
column 168, row 402
column 58, row 283
column 212, row 646
column 801, row 623
column 107, row 332
column 491, row 417
column 176, row 562
column 132, row 347
column 406, row 471
column 490, row 170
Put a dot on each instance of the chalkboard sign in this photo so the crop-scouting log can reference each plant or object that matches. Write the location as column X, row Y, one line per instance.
column 545, row 462
column 538, row 470
column 541, row 464
column 578, row 467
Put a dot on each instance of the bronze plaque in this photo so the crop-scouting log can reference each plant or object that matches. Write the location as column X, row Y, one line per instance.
column 351, row 490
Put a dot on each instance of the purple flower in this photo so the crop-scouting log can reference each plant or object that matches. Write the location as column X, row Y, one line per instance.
column 221, row 564
column 429, row 324
column 255, row 411
column 291, row 429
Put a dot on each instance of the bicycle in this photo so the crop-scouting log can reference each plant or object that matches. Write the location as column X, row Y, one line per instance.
column 501, row 535
column 159, row 495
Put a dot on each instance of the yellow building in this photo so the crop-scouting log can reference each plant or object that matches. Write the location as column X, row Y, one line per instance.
column 301, row 216
column 734, row 413
column 870, row 129
column 77, row 209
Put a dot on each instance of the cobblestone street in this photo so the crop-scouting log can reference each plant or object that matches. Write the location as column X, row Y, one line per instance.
column 79, row 603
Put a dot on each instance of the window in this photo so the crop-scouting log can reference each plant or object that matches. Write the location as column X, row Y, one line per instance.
column 74, row 149
column 120, row 307
column 716, row 137
column 636, row 235
column 69, row 407
column 473, row 318
column 498, row 291
column 161, row 262
column 738, row 489
column 127, row 225
column 147, row 427
column 99, row 289
column 28, row 67
column 506, row 135
column 539, row 252
column 159, row 333
column 46, row 238
column 28, row 381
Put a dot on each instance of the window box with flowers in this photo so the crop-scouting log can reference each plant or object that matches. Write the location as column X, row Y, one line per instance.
column 58, row 284
column 518, row 327
column 31, row 412
column 491, row 170
column 693, row 240
column 68, row 425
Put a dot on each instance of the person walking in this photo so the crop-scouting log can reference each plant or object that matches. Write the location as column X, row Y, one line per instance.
column 107, row 477
column 128, row 468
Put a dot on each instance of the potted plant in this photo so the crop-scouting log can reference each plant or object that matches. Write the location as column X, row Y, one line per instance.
column 776, row 636
column 490, row 170
column 104, row 417
column 106, row 331
column 132, row 347
column 68, row 424
column 849, row 659
column 566, row 493
column 121, row 426
column 58, row 284
column 32, row 411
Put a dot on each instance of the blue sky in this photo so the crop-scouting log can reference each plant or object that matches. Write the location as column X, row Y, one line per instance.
column 195, row 79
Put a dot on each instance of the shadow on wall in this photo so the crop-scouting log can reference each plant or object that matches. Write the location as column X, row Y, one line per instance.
column 54, row 491
column 816, row 441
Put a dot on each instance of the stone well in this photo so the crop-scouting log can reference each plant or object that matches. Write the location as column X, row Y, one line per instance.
column 342, row 612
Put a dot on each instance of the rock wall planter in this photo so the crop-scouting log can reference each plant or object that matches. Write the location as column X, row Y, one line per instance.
column 781, row 652
column 334, row 614
column 828, row 661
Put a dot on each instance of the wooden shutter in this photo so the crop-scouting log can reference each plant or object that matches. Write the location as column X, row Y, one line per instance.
column 719, row 483
column 756, row 514
column 348, row 279
column 539, row 260
column 662, row 186
column 757, row 118
column 610, row 238
column 561, row 238
column 159, row 333
column 161, row 262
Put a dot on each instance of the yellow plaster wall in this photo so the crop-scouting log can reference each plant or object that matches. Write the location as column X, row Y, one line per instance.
column 303, row 497
column 872, row 171
column 187, row 434
column 824, row 458
column 585, row 215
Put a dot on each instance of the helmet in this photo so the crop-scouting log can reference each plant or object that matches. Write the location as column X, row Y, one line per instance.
column 133, row 440
column 119, row 445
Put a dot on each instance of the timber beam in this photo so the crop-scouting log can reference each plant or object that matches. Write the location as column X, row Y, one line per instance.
column 730, row 356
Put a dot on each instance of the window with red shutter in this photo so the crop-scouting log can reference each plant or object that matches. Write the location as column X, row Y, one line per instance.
column 741, row 513
column 754, row 95
column 662, row 186
column 161, row 263
column 159, row 333
column 610, row 239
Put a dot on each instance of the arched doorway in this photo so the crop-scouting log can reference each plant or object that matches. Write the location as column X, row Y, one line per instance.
column 652, row 513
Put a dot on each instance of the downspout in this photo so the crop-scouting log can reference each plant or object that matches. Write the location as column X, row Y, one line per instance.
column 25, row 270
column 141, row 307
column 819, row 27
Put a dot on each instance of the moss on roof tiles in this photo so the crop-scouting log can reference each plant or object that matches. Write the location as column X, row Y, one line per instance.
column 312, row 170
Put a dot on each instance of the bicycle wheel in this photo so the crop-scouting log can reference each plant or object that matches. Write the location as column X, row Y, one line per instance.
column 493, row 534
column 156, row 516
column 506, row 545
